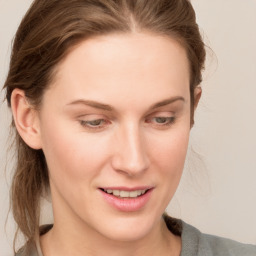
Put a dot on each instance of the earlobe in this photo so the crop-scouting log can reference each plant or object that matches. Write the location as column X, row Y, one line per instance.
column 26, row 119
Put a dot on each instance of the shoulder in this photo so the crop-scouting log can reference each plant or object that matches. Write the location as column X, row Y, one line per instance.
column 203, row 244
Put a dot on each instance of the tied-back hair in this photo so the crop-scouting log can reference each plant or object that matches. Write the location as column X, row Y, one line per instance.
column 48, row 31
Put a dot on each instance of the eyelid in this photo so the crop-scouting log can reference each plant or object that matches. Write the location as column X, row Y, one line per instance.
column 162, row 114
column 86, row 120
column 93, row 116
column 162, row 117
column 169, row 116
column 102, row 125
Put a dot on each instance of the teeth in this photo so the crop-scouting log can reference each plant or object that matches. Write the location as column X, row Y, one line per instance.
column 123, row 193
column 116, row 192
column 133, row 194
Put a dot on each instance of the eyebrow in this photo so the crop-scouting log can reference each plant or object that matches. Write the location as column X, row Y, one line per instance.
column 93, row 104
column 167, row 102
column 106, row 107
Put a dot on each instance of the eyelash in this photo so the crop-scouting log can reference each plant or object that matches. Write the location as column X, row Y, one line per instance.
column 169, row 120
column 102, row 123
column 89, row 124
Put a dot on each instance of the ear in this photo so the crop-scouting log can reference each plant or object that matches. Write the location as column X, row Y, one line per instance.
column 26, row 119
column 197, row 96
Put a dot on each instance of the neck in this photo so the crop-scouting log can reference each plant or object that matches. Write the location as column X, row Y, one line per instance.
column 65, row 240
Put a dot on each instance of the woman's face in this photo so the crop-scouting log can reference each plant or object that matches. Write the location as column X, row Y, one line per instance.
column 114, row 129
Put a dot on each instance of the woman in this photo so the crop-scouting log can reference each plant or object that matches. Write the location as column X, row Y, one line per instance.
column 103, row 95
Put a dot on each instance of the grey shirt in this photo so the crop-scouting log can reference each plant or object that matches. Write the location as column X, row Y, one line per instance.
column 194, row 243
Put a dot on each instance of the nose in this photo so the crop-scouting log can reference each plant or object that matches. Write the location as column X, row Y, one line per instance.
column 130, row 155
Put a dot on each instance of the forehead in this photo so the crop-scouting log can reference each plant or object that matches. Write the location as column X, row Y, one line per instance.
column 125, row 64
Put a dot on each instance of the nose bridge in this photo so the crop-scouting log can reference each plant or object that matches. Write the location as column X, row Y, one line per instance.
column 131, row 156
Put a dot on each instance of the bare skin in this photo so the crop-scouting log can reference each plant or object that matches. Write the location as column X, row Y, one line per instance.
column 161, row 242
column 116, row 116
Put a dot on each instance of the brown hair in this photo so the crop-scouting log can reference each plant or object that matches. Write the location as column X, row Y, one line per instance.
column 46, row 33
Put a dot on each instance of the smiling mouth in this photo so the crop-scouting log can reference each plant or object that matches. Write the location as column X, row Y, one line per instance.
column 125, row 194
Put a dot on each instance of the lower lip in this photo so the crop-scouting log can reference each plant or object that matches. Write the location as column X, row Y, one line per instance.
column 127, row 204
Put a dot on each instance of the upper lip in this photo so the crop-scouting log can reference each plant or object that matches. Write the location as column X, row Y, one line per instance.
column 128, row 188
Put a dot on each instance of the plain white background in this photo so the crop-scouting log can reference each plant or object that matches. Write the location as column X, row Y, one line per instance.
column 217, row 194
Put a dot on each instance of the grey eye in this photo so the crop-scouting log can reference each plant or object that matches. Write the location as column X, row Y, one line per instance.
column 164, row 120
column 95, row 122
column 161, row 120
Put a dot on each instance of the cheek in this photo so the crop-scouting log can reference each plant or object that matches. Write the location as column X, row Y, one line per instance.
column 170, row 152
column 73, row 156
column 69, row 154
column 169, row 159
column 73, row 162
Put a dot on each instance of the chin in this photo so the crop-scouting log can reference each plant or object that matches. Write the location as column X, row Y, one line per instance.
column 129, row 229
